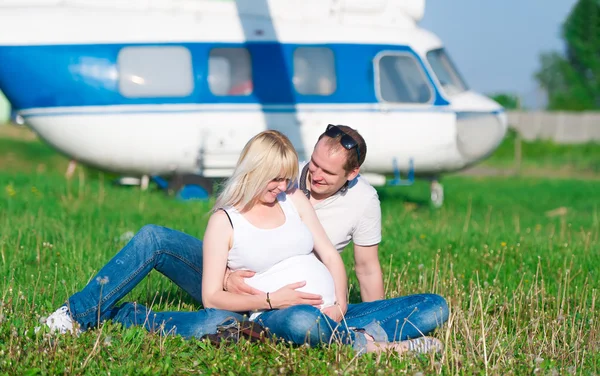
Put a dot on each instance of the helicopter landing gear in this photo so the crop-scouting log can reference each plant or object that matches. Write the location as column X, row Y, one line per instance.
column 437, row 190
column 187, row 187
column 398, row 179
column 437, row 194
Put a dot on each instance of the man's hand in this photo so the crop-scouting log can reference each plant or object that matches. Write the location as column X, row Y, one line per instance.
column 336, row 312
column 288, row 296
column 234, row 283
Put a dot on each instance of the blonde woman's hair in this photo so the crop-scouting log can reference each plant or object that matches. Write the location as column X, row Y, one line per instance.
column 267, row 156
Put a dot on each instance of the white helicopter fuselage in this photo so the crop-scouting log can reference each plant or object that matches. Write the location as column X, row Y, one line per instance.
column 179, row 86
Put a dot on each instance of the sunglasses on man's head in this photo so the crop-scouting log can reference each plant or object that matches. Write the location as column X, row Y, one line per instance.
column 346, row 140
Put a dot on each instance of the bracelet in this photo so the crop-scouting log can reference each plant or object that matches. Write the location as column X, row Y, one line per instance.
column 269, row 301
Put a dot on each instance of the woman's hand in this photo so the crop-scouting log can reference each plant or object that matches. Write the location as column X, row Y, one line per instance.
column 336, row 312
column 288, row 296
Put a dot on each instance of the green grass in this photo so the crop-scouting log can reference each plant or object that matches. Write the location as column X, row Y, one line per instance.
column 521, row 278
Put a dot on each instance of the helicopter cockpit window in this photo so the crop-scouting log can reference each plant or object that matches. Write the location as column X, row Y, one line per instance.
column 230, row 72
column 314, row 71
column 402, row 80
column 155, row 71
column 446, row 72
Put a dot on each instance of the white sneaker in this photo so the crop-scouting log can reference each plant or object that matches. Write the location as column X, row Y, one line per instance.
column 61, row 321
column 424, row 345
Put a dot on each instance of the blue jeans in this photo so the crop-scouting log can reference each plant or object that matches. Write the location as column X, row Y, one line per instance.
column 386, row 320
column 178, row 256
column 304, row 324
column 401, row 318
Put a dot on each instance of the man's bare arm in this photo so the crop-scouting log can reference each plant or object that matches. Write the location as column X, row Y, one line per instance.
column 234, row 282
column 368, row 272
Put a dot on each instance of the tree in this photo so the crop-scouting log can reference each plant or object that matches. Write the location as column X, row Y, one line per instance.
column 506, row 100
column 572, row 80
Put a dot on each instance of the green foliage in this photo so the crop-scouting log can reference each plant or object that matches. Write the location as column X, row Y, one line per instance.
column 508, row 101
column 572, row 80
column 546, row 156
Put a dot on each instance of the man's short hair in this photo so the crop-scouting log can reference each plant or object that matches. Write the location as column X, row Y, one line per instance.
column 352, row 157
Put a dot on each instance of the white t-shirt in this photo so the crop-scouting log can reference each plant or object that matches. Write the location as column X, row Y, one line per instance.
column 354, row 215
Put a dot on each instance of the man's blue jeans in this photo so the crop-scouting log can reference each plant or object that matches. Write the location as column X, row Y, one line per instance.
column 178, row 256
column 399, row 318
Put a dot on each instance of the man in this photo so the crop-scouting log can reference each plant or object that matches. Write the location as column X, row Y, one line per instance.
column 348, row 207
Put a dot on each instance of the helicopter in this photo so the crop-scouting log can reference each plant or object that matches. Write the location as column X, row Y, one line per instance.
column 171, row 90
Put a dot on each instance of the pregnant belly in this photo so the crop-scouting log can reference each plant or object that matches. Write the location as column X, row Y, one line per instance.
column 297, row 269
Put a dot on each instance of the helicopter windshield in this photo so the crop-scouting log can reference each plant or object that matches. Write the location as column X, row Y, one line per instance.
column 446, row 72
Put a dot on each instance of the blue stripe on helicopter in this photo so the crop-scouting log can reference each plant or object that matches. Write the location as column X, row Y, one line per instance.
column 44, row 76
column 217, row 108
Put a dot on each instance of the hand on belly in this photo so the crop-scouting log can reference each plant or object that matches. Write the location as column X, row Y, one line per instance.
column 297, row 269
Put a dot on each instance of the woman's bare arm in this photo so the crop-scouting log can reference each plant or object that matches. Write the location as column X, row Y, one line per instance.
column 217, row 239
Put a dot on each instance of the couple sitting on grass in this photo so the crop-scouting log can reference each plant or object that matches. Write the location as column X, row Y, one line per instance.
column 271, row 255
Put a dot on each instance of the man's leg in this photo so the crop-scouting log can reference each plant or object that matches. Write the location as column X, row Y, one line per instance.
column 304, row 324
column 176, row 255
column 405, row 317
column 186, row 324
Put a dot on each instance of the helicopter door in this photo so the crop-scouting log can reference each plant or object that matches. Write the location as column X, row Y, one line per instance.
column 409, row 125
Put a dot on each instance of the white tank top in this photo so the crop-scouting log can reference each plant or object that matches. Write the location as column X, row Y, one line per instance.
column 279, row 256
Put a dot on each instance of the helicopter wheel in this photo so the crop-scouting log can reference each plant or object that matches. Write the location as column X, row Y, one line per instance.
column 437, row 194
column 190, row 187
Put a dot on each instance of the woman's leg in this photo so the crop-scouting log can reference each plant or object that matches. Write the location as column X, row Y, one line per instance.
column 186, row 324
column 405, row 317
column 176, row 255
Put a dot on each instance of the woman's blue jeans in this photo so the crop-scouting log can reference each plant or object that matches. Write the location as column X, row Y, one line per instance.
column 178, row 256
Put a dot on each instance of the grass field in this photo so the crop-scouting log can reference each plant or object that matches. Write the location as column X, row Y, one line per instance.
column 517, row 258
